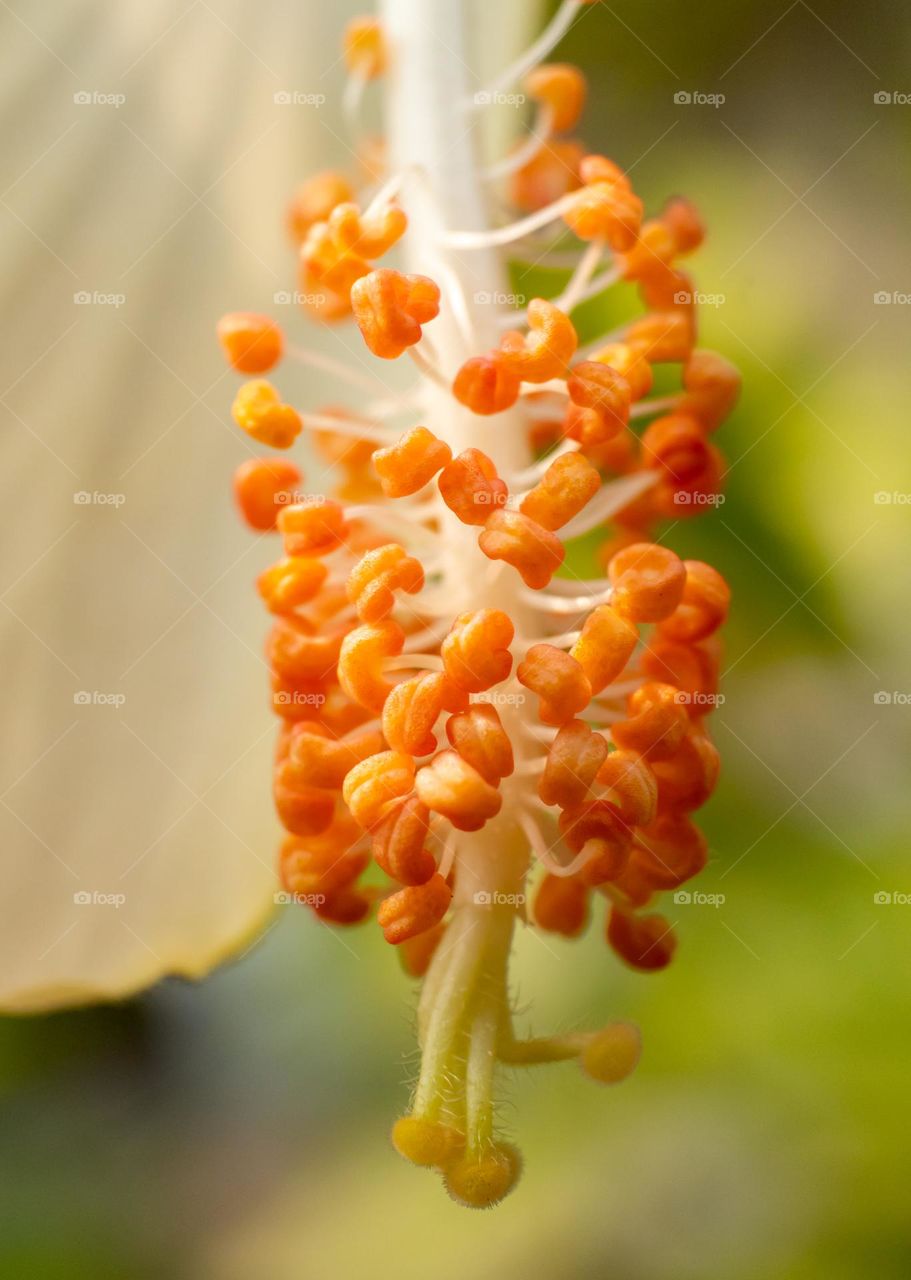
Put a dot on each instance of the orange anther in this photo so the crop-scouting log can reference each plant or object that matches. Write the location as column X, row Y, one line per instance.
column 682, row 219
column 296, row 652
column 369, row 237
column 552, row 172
column 291, row 582
column 704, row 607
column 712, row 387
column 630, row 361
column 390, row 308
column 558, row 680
column 548, row 348
column 345, row 906
column 328, row 264
column 672, row 850
column 413, row 910
column 360, row 662
column 487, row 384
column 364, row 47
column 480, row 738
column 600, row 835
column 399, row 842
column 411, row 711
column 262, row 486
column 410, row 463
column 688, row 779
column 313, row 528
column 561, row 88
column 561, row 905
column 676, row 444
column 417, row 952
column 252, row 343
column 605, row 208
column 652, row 253
column 691, row 668
column 450, row 786
column 532, row 550
column 372, row 786
column 606, row 392
column 575, row 756
column 258, row 410
column 566, row 486
column 376, row 577
column 302, row 810
column 319, row 761
column 663, row 337
column 632, row 786
column 470, row 486
column 604, row 646
column 314, row 867
column 476, row 653
column 656, row 722
column 647, row 582
column 314, row 200
column 644, row 942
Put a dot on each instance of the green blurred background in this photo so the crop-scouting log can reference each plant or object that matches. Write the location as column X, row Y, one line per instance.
column 238, row 1127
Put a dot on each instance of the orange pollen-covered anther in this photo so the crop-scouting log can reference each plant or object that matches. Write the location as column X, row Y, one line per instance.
column 372, row 786
column 319, row 761
column 377, row 576
column 676, row 444
column 487, row 384
column 262, row 487
column 476, row 653
column 558, row 680
column 575, row 756
column 531, row 549
column 605, row 207
column 252, row 343
column 406, row 466
column 412, row 709
column 712, row 388
column 644, row 942
column 258, row 410
column 313, row 528
column 470, row 486
column 370, row 236
column 390, row 309
column 663, row 337
column 599, row 834
column 566, row 486
column 604, row 646
column 314, row 200
column 399, row 842
column 632, row 786
column 414, row 909
column 703, row 608
column 656, row 722
column 560, row 87
column 364, row 47
column 548, row 348
column 291, row 582
column 481, row 740
column 360, row 662
column 647, row 582
column 671, row 850
column 561, row 905
column 452, row 787
column 604, row 390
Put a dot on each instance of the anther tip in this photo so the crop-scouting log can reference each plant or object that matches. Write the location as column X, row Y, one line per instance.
column 613, row 1054
column 425, row 1142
